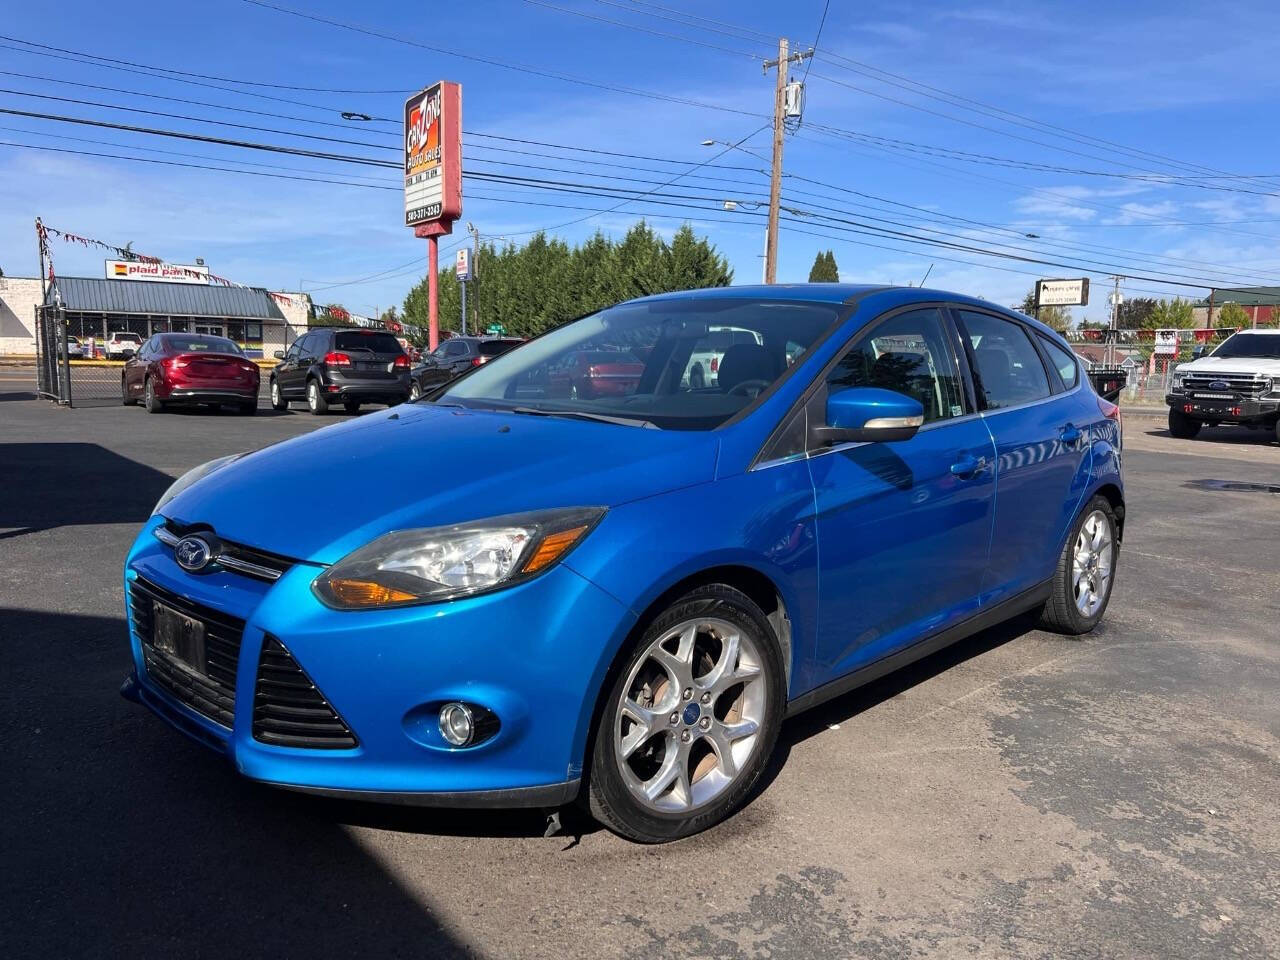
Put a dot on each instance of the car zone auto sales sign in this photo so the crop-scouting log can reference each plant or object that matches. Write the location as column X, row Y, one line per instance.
column 433, row 155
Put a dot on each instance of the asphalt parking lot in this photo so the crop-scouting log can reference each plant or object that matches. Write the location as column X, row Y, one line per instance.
column 1019, row 795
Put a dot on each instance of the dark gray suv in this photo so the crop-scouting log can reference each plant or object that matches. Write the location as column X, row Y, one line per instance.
column 336, row 365
column 454, row 357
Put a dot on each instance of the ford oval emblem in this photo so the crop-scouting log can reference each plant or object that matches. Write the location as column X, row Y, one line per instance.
column 193, row 554
column 1219, row 385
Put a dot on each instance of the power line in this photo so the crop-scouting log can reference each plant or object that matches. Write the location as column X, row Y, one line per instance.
column 813, row 49
column 154, row 73
column 648, row 30
column 492, row 62
column 205, row 76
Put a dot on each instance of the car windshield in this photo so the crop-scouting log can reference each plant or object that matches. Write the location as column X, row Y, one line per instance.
column 201, row 345
column 366, row 341
column 632, row 362
column 1261, row 345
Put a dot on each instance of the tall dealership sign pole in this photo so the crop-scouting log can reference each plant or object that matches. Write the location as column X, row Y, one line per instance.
column 433, row 178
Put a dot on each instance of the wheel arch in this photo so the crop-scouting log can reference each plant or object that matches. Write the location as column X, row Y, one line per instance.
column 1115, row 496
column 756, row 585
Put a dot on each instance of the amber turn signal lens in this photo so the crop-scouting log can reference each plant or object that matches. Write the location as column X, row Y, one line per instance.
column 363, row 593
column 552, row 547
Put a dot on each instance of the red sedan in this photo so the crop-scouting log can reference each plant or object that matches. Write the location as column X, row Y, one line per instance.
column 190, row 368
column 588, row 374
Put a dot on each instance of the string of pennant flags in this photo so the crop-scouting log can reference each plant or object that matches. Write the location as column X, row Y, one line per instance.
column 44, row 233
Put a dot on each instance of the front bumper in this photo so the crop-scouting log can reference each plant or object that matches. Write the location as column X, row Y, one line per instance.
column 535, row 654
column 1224, row 411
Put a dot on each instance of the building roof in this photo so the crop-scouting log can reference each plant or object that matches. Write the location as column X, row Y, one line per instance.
column 1245, row 296
column 91, row 295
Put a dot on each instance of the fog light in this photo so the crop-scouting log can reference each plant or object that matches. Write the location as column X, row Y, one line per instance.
column 457, row 726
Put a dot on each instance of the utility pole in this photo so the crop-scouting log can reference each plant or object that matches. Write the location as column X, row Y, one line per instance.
column 1116, row 300
column 784, row 60
column 475, row 271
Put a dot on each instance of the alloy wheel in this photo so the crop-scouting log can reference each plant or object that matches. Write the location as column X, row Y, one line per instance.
column 690, row 715
column 1091, row 563
column 313, row 395
column 275, row 394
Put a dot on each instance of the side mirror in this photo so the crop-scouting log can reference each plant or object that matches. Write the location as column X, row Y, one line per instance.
column 869, row 415
column 279, row 354
column 1198, row 351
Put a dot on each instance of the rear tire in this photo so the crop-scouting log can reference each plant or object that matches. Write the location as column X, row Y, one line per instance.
column 152, row 403
column 1277, row 431
column 125, row 399
column 351, row 406
column 1182, row 426
column 248, row 408
column 1086, row 571
column 711, row 661
column 415, row 392
column 278, row 401
column 316, row 401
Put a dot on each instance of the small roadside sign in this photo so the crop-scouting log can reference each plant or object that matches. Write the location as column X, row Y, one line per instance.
column 463, row 265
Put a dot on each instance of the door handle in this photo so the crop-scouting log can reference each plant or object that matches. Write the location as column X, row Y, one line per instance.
column 1071, row 435
column 968, row 466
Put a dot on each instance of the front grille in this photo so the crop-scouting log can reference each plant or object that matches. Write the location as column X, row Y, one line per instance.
column 211, row 693
column 1244, row 385
column 288, row 710
column 236, row 557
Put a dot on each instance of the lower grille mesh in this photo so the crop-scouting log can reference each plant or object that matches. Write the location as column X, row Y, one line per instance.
column 211, row 692
column 288, row 710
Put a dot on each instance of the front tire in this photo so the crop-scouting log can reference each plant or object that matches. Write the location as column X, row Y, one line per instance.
column 351, row 406
column 1182, row 426
column 125, row 399
column 316, row 401
column 1086, row 572
column 690, row 720
column 248, row 408
column 278, row 402
column 415, row 392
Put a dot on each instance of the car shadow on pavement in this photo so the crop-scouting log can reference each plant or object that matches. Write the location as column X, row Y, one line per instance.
column 122, row 837
column 48, row 485
column 844, row 708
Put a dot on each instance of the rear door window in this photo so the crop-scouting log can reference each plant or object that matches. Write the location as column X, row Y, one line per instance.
column 1007, row 368
column 1063, row 361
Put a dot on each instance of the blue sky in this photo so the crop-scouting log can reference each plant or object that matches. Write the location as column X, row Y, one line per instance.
column 1192, row 86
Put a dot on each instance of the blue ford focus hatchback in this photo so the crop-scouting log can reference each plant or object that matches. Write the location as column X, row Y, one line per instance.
column 606, row 565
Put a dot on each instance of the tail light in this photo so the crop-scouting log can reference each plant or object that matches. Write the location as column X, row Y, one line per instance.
column 477, row 361
column 715, row 364
column 401, row 362
column 592, row 371
column 1112, row 412
column 334, row 359
column 176, row 363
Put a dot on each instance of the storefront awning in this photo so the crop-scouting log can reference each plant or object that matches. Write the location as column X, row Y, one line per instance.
column 90, row 295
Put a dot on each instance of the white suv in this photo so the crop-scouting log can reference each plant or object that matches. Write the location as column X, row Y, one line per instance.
column 703, row 368
column 122, row 345
column 1238, row 383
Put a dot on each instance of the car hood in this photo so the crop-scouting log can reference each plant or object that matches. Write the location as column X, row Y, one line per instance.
column 1263, row 365
column 319, row 496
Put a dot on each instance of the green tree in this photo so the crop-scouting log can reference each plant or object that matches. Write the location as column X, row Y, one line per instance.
column 543, row 283
column 1231, row 314
column 824, row 269
column 1172, row 313
column 1136, row 314
column 1057, row 317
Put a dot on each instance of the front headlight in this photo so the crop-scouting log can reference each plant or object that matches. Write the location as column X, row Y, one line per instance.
column 1268, row 385
column 1177, row 382
column 441, row 563
column 190, row 477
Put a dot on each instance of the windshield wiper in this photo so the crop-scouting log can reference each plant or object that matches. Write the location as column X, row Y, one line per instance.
column 585, row 415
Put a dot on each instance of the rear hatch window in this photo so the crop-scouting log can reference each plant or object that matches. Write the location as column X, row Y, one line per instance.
column 491, row 348
column 380, row 343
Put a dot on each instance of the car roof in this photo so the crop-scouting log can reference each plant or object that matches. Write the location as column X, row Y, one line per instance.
column 886, row 297
column 1267, row 331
